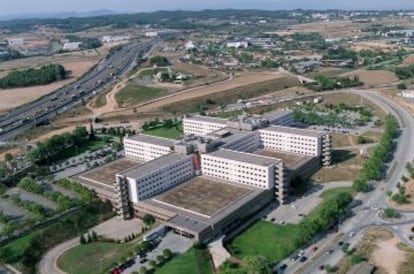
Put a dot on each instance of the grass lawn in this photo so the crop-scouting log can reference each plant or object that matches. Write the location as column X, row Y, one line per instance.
column 273, row 241
column 191, row 262
column 86, row 259
column 17, row 247
column 151, row 71
column 134, row 94
column 171, row 133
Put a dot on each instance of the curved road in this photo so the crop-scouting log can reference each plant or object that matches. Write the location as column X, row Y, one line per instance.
column 378, row 198
column 48, row 264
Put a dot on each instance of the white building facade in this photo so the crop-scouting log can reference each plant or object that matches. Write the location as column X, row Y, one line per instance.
column 158, row 176
column 202, row 125
column 239, row 167
column 146, row 148
column 298, row 141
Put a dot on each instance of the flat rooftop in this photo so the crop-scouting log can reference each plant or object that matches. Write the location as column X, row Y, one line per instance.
column 295, row 131
column 203, row 196
column 106, row 174
column 152, row 140
column 244, row 157
column 208, row 119
column 148, row 167
column 290, row 160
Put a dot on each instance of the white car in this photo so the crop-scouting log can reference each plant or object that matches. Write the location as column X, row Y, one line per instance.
column 352, row 234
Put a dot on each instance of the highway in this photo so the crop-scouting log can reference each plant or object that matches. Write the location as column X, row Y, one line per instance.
column 366, row 215
column 102, row 76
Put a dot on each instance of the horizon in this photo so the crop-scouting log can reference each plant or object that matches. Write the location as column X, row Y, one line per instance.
column 21, row 7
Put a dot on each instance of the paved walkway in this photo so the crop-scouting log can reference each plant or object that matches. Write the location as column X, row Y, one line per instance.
column 218, row 252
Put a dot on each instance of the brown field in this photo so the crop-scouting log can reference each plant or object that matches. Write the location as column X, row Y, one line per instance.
column 374, row 77
column 409, row 60
column 203, row 195
column 12, row 98
column 197, row 92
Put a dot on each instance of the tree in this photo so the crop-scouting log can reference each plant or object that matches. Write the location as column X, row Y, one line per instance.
column 82, row 239
column 402, row 86
column 143, row 270
column 89, row 239
column 148, row 219
column 92, row 136
column 94, row 236
column 360, row 185
column 160, row 259
column 257, row 265
column 152, row 263
column 167, row 253
column 8, row 157
column 391, row 213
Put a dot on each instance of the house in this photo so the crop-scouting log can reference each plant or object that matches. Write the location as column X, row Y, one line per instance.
column 306, row 66
column 190, row 45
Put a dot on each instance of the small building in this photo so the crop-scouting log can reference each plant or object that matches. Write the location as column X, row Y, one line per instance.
column 151, row 34
column 71, row 46
column 111, row 39
column 15, row 42
column 190, row 45
column 237, row 44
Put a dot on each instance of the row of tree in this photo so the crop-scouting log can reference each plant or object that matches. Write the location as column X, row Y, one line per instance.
column 33, row 77
column 328, row 83
column 63, row 202
column 52, row 149
column 374, row 167
column 405, row 72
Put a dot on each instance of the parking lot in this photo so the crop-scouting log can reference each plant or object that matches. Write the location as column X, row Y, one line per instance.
column 176, row 243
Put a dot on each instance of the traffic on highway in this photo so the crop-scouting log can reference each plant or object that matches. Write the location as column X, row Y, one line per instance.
column 102, row 76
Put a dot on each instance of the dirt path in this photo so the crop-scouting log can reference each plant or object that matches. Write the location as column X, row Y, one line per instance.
column 388, row 256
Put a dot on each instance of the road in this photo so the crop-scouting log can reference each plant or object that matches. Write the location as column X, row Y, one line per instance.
column 102, row 76
column 366, row 215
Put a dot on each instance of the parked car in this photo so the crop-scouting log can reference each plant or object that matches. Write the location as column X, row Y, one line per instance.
column 303, row 259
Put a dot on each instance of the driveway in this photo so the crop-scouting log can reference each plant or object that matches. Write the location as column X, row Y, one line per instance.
column 112, row 228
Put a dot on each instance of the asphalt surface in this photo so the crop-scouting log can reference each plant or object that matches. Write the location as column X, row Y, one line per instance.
column 367, row 214
column 102, row 76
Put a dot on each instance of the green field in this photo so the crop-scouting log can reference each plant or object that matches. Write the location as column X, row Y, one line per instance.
column 86, row 259
column 134, row 94
column 171, row 133
column 275, row 242
column 191, row 262
column 16, row 248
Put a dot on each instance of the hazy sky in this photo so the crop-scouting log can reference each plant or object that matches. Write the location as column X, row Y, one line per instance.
column 46, row 6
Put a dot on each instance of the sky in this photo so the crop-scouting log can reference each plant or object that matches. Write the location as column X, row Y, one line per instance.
column 8, row 7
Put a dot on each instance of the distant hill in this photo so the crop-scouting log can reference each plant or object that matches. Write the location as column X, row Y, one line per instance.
column 59, row 15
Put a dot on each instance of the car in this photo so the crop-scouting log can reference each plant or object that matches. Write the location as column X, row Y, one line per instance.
column 301, row 253
column 352, row 234
column 303, row 259
column 295, row 257
column 282, row 222
column 377, row 223
column 330, row 251
column 283, row 267
column 273, row 219
column 340, row 243
column 314, row 248
column 321, row 267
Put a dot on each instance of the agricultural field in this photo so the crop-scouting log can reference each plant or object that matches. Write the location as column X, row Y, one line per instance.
column 12, row 98
column 373, row 77
column 134, row 94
